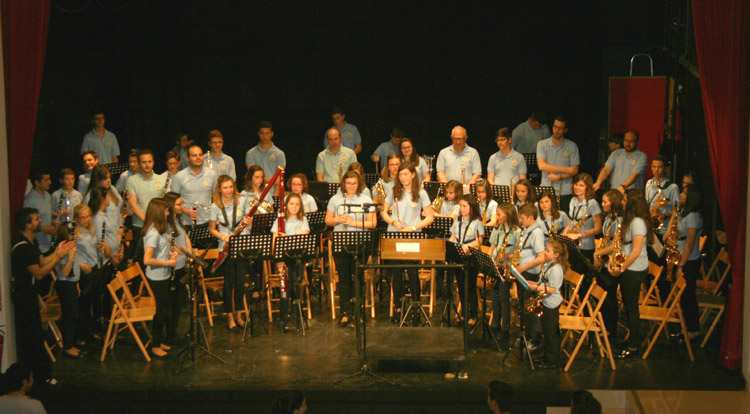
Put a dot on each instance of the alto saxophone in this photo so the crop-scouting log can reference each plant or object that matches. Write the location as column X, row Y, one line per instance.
column 533, row 305
column 484, row 214
column 499, row 261
column 617, row 257
column 512, row 191
column 515, row 259
column 579, row 224
column 607, row 238
column 437, row 203
column 380, row 189
column 673, row 255
column 657, row 221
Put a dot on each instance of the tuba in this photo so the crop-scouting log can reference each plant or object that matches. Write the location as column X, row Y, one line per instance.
column 673, row 255
column 657, row 222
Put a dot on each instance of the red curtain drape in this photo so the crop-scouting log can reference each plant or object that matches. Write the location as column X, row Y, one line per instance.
column 24, row 46
column 722, row 38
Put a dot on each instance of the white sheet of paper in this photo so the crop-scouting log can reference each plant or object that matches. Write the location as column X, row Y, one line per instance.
column 407, row 247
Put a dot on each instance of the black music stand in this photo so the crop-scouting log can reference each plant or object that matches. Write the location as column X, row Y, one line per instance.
column 371, row 179
column 201, row 238
column 501, row 193
column 489, row 269
column 539, row 189
column 439, row 228
column 298, row 248
column 520, row 338
column 454, row 253
column 316, row 221
column 333, row 188
column 406, row 310
column 276, row 203
column 262, row 223
column 433, row 188
column 117, row 168
column 532, row 168
column 578, row 262
column 319, row 191
column 192, row 263
column 253, row 248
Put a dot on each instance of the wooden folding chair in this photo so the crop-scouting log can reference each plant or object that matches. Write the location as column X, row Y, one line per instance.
column 584, row 324
column 708, row 292
column 333, row 278
column 651, row 295
column 572, row 284
column 50, row 310
column 140, row 289
column 214, row 284
column 658, row 316
column 273, row 281
column 126, row 310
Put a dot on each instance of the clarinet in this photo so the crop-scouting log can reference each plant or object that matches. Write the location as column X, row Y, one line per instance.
column 172, row 248
column 284, row 274
column 166, row 185
column 104, row 240
column 60, row 206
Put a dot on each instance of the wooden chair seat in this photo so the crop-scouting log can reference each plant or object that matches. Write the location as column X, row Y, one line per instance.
column 51, row 312
column 126, row 311
column 659, row 316
column 578, row 323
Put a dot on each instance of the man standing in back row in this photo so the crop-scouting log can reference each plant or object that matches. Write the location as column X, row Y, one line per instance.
column 101, row 141
column 459, row 161
column 349, row 133
column 333, row 161
column 527, row 134
column 267, row 155
column 558, row 160
column 627, row 165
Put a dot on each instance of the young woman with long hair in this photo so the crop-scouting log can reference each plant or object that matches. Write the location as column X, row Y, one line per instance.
column 468, row 231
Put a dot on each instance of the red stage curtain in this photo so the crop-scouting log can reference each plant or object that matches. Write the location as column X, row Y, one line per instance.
column 722, row 37
column 24, row 46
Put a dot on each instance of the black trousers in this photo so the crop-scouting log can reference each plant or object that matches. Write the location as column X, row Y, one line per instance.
column 163, row 309
column 501, row 306
column 30, row 335
column 688, row 301
column 529, row 321
column 89, row 304
column 345, row 267
column 551, row 330
column 630, row 287
column 68, row 294
column 610, row 308
column 235, row 271
column 293, row 287
column 397, row 280
column 176, row 300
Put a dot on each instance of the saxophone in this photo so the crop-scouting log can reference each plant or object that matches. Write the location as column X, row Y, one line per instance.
column 515, row 259
column 380, row 190
column 579, row 224
column 657, row 222
column 673, row 255
column 484, row 214
column 533, row 305
column 512, row 191
column 437, row 203
column 607, row 238
column 617, row 257
column 499, row 261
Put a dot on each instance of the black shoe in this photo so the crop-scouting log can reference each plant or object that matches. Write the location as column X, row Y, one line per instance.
column 628, row 353
column 396, row 318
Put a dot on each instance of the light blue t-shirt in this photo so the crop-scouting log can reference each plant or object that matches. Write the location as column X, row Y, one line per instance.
column 83, row 182
column 449, row 208
column 179, row 240
column 554, row 274
column 222, row 165
column 624, row 164
column 106, row 147
column 328, row 163
column 160, row 244
column 102, row 220
column 491, row 207
column 566, row 155
column 466, row 233
column 336, row 205
column 406, row 210
column 249, row 196
column 308, row 203
column 113, row 209
column 385, row 149
column 292, row 226
column 123, row 180
column 87, row 251
column 74, row 198
column 233, row 218
column 269, row 160
column 533, row 244
column 349, row 137
column 507, row 167
column 526, row 138
column 691, row 221
column 145, row 189
column 195, row 188
column 422, row 169
column 387, row 186
column 450, row 161
column 43, row 204
column 637, row 228
column 577, row 211
column 670, row 191
column 498, row 236
column 547, row 223
column 75, row 271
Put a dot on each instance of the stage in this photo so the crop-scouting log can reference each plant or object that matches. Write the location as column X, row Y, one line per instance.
column 319, row 363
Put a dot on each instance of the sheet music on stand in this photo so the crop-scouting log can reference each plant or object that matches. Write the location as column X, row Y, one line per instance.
column 578, row 261
column 433, row 187
column 201, row 238
column 115, row 169
column 260, row 242
column 276, row 203
column 486, row 264
column 316, row 221
column 262, row 223
column 440, row 227
column 371, row 179
column 341, row 239
column 308, row 243
column 539, row 189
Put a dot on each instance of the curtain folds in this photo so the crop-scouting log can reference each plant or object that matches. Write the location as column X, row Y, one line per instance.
column 24, row 46
column 722, row 39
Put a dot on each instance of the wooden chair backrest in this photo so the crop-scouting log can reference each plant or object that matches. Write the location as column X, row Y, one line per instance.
column 599, row 294
column 655, row 271
column 132, row 272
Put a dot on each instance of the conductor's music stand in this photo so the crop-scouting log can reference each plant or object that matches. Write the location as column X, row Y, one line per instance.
column 201, row 238
column 488, row 268
column 392, row 249
column 298, row 248
column 262, row 223
column 253, row 248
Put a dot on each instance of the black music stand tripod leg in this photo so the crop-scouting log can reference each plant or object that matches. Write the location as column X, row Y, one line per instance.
column 521, row 340
column 486, row 328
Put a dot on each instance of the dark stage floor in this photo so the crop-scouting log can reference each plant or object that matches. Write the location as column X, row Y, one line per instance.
column 260, row 368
